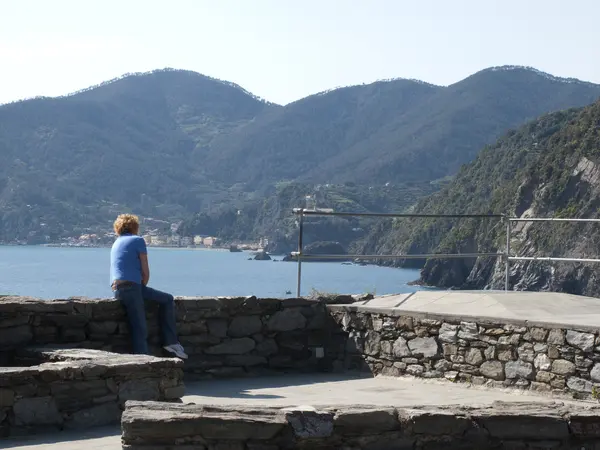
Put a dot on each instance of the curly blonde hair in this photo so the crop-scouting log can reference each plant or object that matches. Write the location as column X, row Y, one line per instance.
column 126, row 223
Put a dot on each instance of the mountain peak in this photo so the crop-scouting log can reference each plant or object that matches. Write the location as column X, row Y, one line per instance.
column 508, row 68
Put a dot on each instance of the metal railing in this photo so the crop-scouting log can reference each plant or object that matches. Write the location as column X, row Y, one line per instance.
column 300, row 255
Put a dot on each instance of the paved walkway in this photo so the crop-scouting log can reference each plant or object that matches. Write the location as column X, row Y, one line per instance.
column 293, row 390
column 536, row 307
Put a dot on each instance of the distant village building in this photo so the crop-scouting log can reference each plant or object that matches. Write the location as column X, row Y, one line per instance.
column 186, row 241
column 198, row 240
column 210, row 241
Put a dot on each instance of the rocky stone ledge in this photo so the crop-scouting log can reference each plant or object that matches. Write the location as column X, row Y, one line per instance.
column 495, row 354
column 224, row 337
column 159, row 426
column 80, row 388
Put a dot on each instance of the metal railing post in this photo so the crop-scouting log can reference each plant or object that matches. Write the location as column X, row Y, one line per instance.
column 300, row 232
column 507, row 259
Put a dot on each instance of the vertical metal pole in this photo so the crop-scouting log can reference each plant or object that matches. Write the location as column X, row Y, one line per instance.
column 300, row 232
column 507, row 275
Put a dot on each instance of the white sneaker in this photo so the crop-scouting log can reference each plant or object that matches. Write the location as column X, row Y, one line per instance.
column 177, row 350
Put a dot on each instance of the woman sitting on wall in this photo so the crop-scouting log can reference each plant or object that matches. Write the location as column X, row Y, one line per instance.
column 130, row 273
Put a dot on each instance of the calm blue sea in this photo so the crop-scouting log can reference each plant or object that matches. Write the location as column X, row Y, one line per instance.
column 50, row 272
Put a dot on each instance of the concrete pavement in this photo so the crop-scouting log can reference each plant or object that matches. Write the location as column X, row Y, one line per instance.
column 535, row 308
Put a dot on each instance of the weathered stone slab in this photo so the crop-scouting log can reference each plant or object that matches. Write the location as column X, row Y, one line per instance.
column 362, row 421
column 147, row 422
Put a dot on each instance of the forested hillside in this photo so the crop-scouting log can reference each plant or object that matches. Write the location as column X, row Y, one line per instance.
column 171, row 144
column 547, row 168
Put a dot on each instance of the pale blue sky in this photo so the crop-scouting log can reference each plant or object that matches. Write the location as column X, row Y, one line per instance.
column 283, row 50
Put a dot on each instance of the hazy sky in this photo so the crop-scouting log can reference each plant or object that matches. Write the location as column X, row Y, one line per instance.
column 283, row 50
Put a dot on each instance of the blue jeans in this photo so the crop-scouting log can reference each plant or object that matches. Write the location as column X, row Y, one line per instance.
column 132, row 297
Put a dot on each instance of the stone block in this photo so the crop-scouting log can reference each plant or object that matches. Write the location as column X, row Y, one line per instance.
column 506, row 355
column 142, row 390
column 442, row 423
column 237, row 346
column 174, row 392
column 553, row 352
column 100, row 415
column 526, row 425
column 540, row 387
column 468, row 331
column 372, row 343
column 144, row 423
column 556, row 337
column 242, row 326
column 36, row 411
column 309, row 423
column 7, row 397
column 245, row 360
column 449, row 349
column 563, row 367
column 540, row 348
column 267, row 347
column 365, row 421
column 217, row 327
column 595, row 373
column 400, row 348
column 404, row 323
column 583, row 341
column 474, row 357
column 542, row 362
column 425, row 347
column 509, row 342
column 104, row 327
column 415, row 370
column 286, row 320
column 15, row 336
column 538, row 334
column 526, row 352
column 579, row 385
column 518, row 369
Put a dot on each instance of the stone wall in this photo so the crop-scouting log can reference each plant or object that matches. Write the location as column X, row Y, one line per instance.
column 80, row 388
column 544, row 358
column 157, row 426
column 223, row 337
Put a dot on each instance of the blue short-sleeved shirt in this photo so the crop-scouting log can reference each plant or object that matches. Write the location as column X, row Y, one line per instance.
column 125, row 262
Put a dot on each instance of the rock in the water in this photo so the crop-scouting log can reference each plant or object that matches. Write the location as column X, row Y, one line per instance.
column 262, row 256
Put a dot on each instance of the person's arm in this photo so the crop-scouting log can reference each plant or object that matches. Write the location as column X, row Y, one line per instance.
column 143, row 254
column 145, row 268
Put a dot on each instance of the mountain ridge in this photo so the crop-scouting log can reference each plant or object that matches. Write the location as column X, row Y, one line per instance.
column 169, row 143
